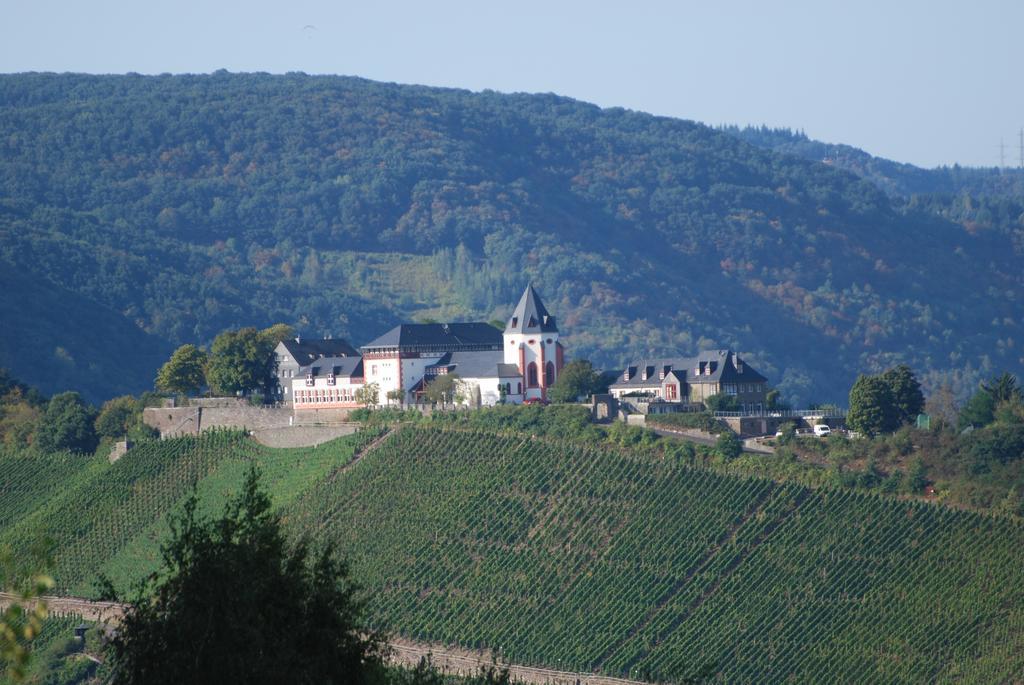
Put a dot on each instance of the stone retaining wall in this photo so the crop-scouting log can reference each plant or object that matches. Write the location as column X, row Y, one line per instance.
column 302, row 436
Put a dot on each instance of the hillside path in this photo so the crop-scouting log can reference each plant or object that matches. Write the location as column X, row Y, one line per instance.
column 402, row 652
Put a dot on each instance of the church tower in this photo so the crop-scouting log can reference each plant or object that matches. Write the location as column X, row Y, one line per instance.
column 531, row 343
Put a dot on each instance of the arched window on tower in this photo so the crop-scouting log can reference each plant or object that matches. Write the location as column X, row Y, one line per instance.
column 549, row 374
column 531, row 375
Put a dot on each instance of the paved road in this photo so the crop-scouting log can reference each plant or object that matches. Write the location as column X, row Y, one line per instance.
column 403, row 652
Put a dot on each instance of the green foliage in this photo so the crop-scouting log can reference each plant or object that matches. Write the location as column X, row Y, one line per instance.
column 368, row 395
column 881, row 404
column 872, row 408
column 916, row 477
column 445, row 389
column 22, row 621
column 728, row 445
column 294, row 617
column 186, row 205
column 577, row 378
column 788, row 433
column 907, row 398
column 996, row 444
column 722, row 403
column 979, row 410
column 184, row 373
column 67, row 424
column 118, row 416
column 241, row 361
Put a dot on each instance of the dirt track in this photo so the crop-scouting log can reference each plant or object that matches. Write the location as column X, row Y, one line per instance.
column 403, row 652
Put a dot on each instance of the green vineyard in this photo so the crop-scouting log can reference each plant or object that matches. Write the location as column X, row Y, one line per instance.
column 596, row 560
column 110, row 518
column 580, row 558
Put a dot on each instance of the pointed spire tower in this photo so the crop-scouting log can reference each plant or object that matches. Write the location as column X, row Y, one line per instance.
column 531, row 343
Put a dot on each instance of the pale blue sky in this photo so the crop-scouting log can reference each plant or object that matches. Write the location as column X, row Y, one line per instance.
column 927, row 82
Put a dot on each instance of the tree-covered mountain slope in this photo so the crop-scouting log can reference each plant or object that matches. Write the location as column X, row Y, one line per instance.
column 189, row 204
column 580, row 557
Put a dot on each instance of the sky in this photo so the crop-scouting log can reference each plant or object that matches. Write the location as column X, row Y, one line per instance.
column 925, row 82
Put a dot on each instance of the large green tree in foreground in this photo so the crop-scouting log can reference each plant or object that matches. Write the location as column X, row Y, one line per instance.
column 235, row 603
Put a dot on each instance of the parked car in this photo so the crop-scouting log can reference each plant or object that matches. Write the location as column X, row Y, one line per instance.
column 535, row 400
column 821, row 430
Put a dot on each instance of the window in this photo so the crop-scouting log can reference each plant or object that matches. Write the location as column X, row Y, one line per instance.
column 549, row 374
column 519, row 388
column 531, row 375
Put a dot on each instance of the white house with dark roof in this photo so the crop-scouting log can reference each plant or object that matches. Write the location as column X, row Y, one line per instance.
column 293, row 354
column 328, row 383
column 518, row 364
column 693, row 379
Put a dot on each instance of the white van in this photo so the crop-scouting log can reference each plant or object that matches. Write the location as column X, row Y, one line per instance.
column 821, row 430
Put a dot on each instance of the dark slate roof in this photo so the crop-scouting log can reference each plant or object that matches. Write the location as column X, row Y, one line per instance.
column 482, row 364
column 445, row 335
column 530, row 315
column 306, row 351
column 720, row 364
column 346, row 367
column 509, row 371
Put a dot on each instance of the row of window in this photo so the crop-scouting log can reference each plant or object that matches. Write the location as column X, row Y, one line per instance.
column 737, row 388
column 324, row 395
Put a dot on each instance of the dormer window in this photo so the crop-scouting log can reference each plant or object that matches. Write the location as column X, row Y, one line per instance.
column 515, row 321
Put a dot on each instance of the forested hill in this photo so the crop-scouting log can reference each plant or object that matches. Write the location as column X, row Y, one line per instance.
column 172, row 207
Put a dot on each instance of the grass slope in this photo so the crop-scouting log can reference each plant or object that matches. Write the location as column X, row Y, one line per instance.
column 601, row 560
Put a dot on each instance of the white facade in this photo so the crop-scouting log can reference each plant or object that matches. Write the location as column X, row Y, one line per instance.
column 538, row 358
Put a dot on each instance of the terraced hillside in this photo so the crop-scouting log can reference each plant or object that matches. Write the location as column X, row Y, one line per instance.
column 109, row 518
column 596, row 560
column 583, row 558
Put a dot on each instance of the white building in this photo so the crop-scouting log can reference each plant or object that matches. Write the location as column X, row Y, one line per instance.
column 517, row 365
column 328, row 383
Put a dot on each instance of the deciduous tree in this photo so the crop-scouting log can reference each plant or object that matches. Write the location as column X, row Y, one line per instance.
column 368, row 395
column 241, row 361
column 184, row 373
column 67, row 424
column 576, row 379
column 118, row 416
column 872, row 410
column 907, row 398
